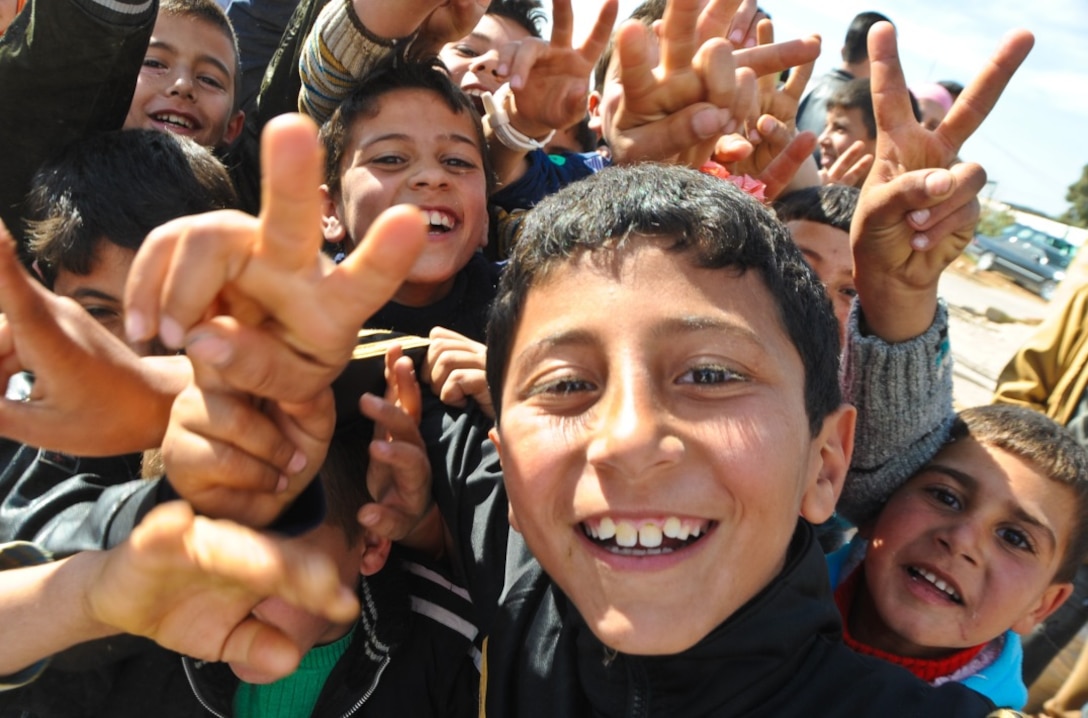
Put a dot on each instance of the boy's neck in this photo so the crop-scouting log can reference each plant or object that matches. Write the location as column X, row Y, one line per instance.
column 421, row 295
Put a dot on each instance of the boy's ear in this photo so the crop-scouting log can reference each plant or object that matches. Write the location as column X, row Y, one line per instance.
column 234, row 128
column 332, row 229
column 831, row 448
column 493, row 434
column 375, row 552
column 1051, row 600
column 593, row 106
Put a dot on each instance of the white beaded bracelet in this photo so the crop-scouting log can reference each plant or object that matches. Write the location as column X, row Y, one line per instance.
column 499, row 121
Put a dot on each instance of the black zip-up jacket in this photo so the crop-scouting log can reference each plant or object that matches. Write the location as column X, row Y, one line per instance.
column 412, row 654
column 780, row 655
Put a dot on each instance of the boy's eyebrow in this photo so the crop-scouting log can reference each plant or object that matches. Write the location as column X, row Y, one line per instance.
column 400, row 136
column 971, row 483
column 89, row 293
column 661, row 331
column 162, row 45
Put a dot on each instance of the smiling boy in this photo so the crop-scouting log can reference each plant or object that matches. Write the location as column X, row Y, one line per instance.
column 978, row 546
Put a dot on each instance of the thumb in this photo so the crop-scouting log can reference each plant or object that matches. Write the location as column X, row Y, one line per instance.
column 888, row 202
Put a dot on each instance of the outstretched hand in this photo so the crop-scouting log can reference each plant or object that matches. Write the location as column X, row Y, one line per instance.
column 917, row 211
column 191, row 583
column 92, row 395
column 288, row 317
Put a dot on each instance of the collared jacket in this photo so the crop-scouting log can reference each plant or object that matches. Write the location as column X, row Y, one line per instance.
column 1050, row 372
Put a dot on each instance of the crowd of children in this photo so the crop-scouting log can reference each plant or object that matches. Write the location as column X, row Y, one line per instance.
column 416, row 413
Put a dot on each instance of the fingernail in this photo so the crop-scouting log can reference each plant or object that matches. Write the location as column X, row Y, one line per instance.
column 750, row 42
column 516, row 82
column 135, row 325
column 502, row 70
column 919, row 216
column 765, row 125
column 282, row 484
column 939, row 182
column 919, row 242
column 173, row 336
column 730, row 127
column 297, row 463
column 705, row 123
column 210, row 349
column 368, row 518
column 754, row 136
column 736, row 37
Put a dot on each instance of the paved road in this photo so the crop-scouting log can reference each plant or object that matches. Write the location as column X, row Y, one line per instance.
column 982, row 347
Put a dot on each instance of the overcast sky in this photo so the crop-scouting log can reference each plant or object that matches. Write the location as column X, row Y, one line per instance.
column 1035, row 142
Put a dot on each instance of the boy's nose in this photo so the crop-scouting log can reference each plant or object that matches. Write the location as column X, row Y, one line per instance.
column 429, row 174
column 485, row 63
column 182, row 85
column 961, row 538
column 632, row 437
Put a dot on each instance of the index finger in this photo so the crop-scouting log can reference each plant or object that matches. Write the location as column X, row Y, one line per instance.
column 562, row 23
column 768, row 59
column 979, row 97
column 891, row 99
column 716, row 17
column 679, row 40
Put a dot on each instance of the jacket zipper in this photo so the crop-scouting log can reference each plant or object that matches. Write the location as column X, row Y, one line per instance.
column 369, row 691
column 196, row 691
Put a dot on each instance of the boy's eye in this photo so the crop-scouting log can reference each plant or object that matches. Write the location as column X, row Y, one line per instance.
column 709, row 376
column 562, row 386
column 460, row 163
column 154, row 63
column 391, row 160
column 848, row 291
column 465, row 50
column 944, row 496
column 212, row 82
column 1016, row 538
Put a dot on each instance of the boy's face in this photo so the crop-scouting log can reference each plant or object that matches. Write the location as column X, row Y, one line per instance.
column 655, row 444
column 964, row 551
column 186, row 84
column 844, row 128
column 101, row 291
column 827, row 251
column 472, row 59
column 415, row 151
column 303, row 628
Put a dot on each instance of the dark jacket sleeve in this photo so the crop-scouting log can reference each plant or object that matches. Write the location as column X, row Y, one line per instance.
column 470, row 494
column 68, row 68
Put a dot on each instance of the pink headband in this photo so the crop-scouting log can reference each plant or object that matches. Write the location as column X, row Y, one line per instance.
column 936, row 93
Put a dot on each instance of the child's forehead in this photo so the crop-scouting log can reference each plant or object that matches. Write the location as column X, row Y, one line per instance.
column 198, row 36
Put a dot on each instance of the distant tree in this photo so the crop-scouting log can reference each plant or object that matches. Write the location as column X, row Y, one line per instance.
column 1077, row 197
column 992, row 221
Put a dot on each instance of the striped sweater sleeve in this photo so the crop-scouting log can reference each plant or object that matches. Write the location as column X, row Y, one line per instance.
column 120, row 12
column 338, row 52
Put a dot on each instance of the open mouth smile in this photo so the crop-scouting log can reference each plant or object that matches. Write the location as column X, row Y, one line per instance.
column 921, row 574
column 645, row 536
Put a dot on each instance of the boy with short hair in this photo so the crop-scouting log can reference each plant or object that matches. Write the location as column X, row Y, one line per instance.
column 977, row 547
column 184, row 81
column 818, row 219
column 850, row 121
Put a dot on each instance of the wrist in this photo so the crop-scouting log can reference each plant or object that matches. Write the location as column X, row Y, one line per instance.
column 387, row 23
column 498, row 106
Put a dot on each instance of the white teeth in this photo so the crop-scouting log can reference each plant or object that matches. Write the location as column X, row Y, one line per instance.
column 626, row 534
column 671, row 527
column 939, row 583
column 649, row 535
column 175, row 120
column 695, row 531
column 606, row 529
column 684, row 532
column 439, row 219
